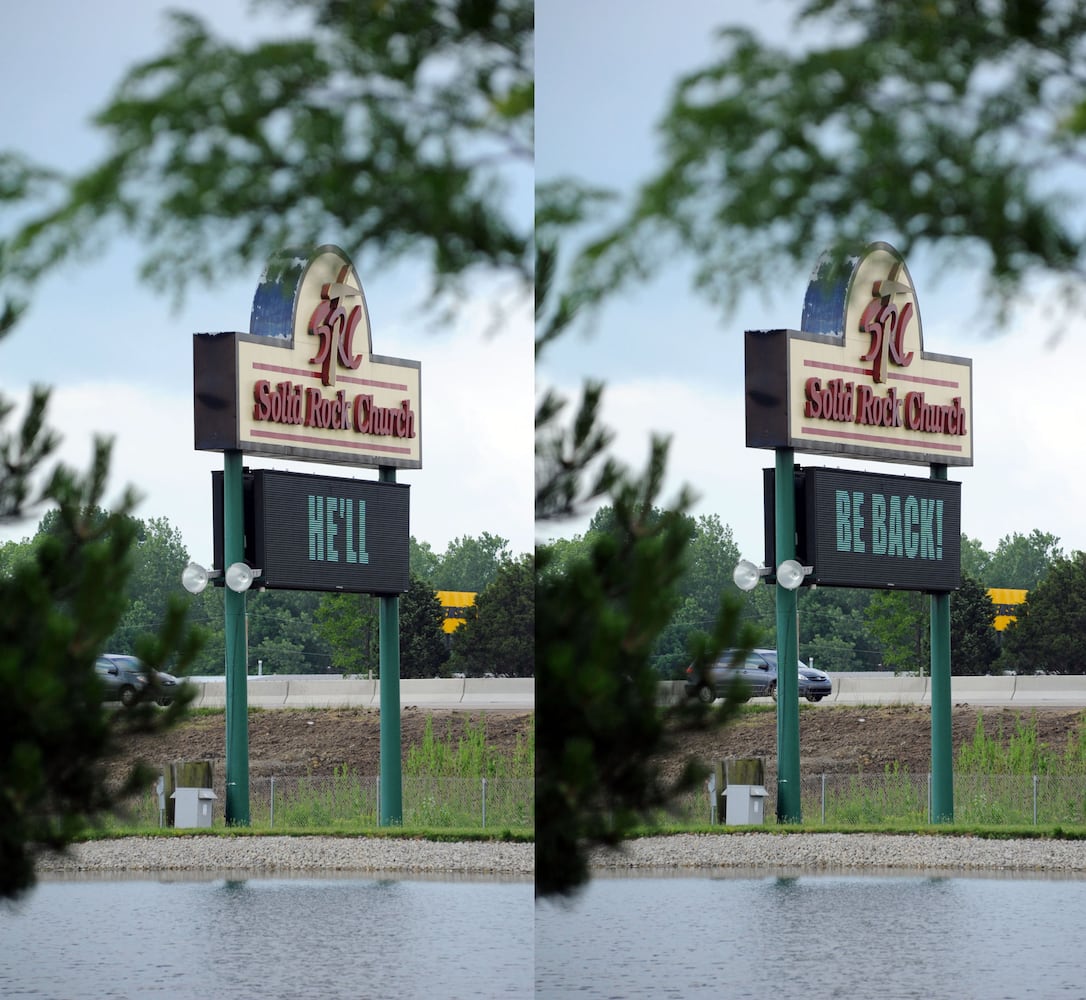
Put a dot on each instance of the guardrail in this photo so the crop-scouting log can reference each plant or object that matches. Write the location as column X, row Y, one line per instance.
column 300, row 691
column 1055, row 691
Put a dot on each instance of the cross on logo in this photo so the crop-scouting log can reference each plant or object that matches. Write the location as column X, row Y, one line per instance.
column 335, row 326
column 886, row 326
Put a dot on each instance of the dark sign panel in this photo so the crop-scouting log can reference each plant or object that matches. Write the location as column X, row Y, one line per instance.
column 322, row 532
column 868, row 530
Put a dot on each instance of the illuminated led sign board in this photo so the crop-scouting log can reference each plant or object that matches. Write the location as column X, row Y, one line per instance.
column 322, row 533
column 868, row 530
column 856, row 380
column 304, row 383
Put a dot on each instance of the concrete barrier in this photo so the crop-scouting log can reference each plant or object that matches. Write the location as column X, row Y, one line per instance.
column 671, row 692
column 498, row 691
column 432, row 692
column 267, row 693
column 860, row 689
column 1054, row 690
column 315, row 691
column 981, row 690
column 212, row 694
column 326, row 692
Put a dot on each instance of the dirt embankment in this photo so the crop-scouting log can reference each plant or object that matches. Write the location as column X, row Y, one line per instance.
column 317, row 741
column 848, row 740
column 833, row 740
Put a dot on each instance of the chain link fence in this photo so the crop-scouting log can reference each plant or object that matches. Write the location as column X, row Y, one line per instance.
column 900, row 797
column 348, row 800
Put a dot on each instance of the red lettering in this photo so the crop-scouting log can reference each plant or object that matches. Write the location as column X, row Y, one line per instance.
column 261, row 392
column 886, row 327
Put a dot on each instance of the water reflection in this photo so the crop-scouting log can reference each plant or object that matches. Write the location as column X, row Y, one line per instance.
column 814, row 936
column 274, row 938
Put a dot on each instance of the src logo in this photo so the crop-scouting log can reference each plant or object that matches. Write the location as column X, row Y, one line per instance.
column 886, row 325
column 334, row 324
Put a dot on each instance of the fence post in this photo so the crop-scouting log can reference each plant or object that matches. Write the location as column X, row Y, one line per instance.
column 929, row 798
column 484, row 802
column 378, row 799
column 1035, row 800
column 271, row 795
column 823, row 798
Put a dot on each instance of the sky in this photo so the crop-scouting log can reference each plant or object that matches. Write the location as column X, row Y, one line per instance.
column 118, row 354
column 673, row 364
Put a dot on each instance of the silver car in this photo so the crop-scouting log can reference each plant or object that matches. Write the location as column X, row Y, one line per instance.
column 759, row 672
column 124, row 678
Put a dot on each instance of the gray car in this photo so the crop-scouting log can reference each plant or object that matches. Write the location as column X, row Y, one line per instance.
column 759, row 672
column 124, row 677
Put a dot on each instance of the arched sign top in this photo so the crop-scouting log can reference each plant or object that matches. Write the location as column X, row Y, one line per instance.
column 300, row 284
column 304, row 382
column 841, row 280
column 856, row 378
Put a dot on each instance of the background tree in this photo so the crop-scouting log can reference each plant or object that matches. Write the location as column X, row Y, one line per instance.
column 833, row 629
column 158, row 557
column 471, row 563
column 974, row 641
column 706, row 577
column 423, row 648
column 501, row 637
column 281, row 633
column 900, row 621
column 399, row 125
column 710, row 561
column 423, row 560
column 1022, row 561
column 1050, row 633
column 348, row 624
column 956, row 128
column 975, row 561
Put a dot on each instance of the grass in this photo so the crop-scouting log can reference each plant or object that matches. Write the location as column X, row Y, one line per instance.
column 452, row 784
column 1009, row 781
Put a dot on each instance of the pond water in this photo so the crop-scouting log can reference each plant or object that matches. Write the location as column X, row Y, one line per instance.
column 269, row 938
column 815, row 936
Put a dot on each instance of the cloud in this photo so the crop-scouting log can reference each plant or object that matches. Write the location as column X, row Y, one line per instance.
column 477, row 408
column 1028, row 470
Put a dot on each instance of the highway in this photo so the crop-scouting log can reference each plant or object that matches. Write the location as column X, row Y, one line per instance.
column 1050, row 691
column 317, row 691
column 518, row 693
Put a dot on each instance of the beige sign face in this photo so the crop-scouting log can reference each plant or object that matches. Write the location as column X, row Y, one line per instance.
column 308, row 383
column 865, row 385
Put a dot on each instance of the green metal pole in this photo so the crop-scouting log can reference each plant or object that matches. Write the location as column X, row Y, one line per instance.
column 237, row 694
column 389, row 640
column 942, row 742
column 788, row 786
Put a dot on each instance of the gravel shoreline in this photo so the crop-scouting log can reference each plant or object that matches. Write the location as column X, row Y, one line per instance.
column 843, row 852
column 289, row 855
column 721, row 853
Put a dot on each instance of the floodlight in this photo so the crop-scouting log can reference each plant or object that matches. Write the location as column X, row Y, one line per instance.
column 790, row 574
column 746, row 575
column 240, row 577
column 194, row 578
